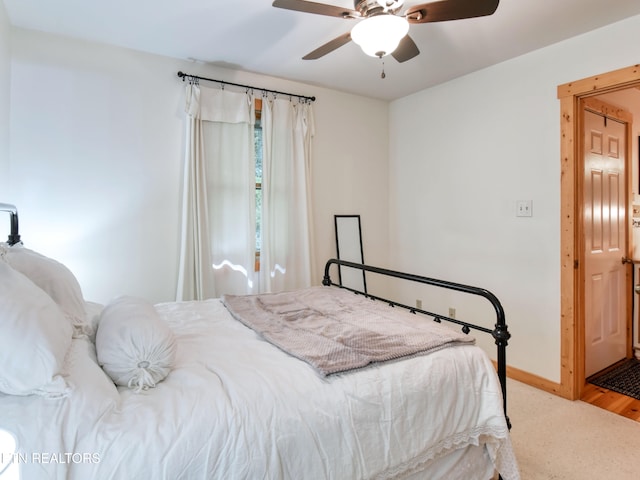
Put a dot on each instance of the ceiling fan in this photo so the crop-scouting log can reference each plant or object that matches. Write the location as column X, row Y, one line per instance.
column 382, row 29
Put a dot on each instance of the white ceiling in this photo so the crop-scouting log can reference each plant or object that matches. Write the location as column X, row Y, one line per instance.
column 252, row 35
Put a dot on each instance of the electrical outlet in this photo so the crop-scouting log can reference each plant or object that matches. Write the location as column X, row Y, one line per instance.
column 418, row 303
column 452, row 312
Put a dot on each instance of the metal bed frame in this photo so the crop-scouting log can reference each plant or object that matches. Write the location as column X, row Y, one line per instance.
column 500, row 332
column 14, row 236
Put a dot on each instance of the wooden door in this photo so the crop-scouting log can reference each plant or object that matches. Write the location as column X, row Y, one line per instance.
column 605, row 201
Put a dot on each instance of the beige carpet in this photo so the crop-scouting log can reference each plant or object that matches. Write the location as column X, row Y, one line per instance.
column 554, row 438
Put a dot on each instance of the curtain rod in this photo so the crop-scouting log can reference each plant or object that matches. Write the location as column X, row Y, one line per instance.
column 223, row 82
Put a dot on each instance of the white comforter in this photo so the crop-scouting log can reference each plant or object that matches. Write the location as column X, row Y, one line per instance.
column 235, row 407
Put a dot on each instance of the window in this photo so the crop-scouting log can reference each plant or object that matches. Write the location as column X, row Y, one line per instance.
column 257, row 143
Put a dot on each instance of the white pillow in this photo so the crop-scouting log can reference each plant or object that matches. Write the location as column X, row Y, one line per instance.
column 34, row 338
column 55, row 279
column 134, row 345
column 93, row 310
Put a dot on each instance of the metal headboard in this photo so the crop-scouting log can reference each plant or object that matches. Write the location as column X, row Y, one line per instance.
column 14, row 236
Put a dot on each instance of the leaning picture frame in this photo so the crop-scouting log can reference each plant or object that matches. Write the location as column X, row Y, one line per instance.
column 349, row 247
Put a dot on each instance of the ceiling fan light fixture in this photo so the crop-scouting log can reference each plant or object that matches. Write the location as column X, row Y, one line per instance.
column 380, row 35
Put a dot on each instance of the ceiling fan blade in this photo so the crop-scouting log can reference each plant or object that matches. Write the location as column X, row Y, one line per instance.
column 317, row 8
column 328, row 47
column 445, row 10
column 407, row 49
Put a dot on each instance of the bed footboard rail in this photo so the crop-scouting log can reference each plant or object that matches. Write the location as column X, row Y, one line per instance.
column 14, row 237
column 500, row 332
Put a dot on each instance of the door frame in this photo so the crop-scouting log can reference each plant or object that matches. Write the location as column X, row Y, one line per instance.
column 572, row 372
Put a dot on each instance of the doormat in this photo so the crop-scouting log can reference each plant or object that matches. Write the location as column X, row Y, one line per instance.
column 625, row 379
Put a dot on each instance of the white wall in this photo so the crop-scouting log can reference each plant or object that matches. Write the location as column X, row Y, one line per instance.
column 5, row 82
column 463, row 153
column 96, row 161
column 351, row 173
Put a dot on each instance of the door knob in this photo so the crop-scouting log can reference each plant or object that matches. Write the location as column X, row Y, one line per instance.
column 637, row 288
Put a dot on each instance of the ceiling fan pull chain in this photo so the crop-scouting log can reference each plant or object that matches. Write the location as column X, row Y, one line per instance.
column 383, row 75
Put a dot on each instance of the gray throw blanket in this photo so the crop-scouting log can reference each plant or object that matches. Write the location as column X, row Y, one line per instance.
column 335, row 330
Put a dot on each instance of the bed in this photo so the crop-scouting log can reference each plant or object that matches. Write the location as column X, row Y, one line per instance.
column 227, row 401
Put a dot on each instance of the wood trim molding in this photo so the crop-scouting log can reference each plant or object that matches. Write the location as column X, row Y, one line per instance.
column 571, row 318
column 534, row 381
column 607, row 110
column 598, row 84
column 568, row 255
column 530, row 379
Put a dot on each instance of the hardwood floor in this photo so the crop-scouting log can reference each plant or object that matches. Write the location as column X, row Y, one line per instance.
column 612, row 401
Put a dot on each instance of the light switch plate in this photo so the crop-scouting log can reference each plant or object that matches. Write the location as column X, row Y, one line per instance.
column 524, row 208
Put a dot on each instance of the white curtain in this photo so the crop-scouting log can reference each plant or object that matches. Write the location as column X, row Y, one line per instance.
column 285, row 261
column 218, row 214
